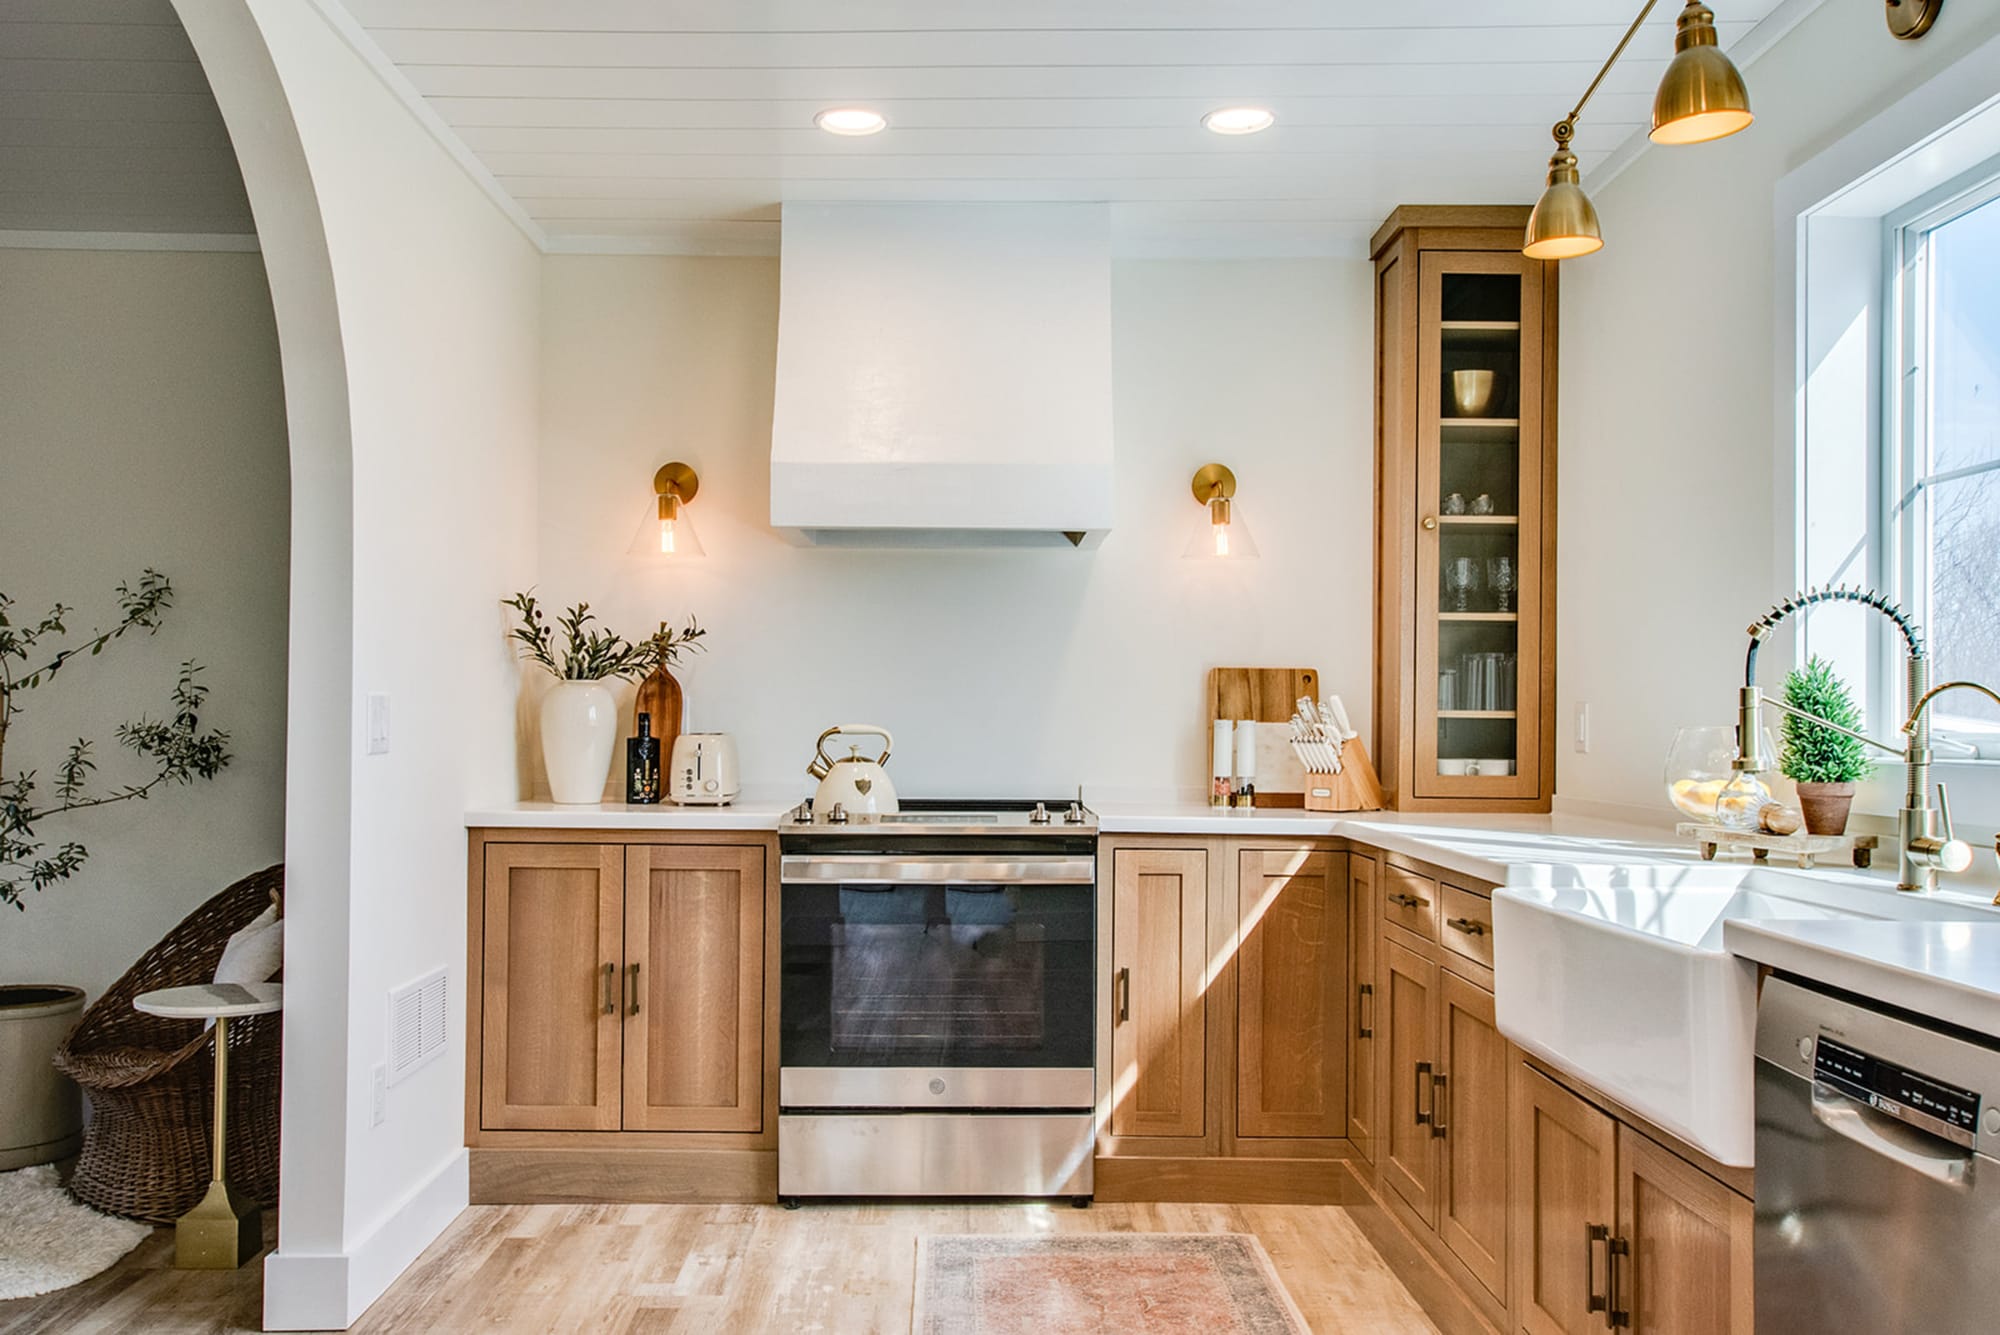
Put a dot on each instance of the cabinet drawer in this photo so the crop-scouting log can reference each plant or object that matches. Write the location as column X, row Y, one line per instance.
column 1410, row 901
column 1467, row 924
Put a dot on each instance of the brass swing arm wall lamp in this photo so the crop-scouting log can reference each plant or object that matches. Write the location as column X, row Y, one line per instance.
column 1700, row 97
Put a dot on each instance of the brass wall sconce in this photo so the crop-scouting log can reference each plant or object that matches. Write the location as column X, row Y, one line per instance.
column 1911, row 19
column 667, row 531
column 1700, row 97
column 1223, row 535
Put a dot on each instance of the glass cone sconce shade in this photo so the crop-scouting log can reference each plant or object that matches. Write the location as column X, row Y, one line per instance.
column 1222, row 534
column 1701, row 96
column 666, row 533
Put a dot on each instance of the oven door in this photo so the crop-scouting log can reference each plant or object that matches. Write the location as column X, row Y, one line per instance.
column 940, row 981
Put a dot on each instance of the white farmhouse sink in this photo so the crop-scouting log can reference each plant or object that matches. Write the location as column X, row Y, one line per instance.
column 1628, row 987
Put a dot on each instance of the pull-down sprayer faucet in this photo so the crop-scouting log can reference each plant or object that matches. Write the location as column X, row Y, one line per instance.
column 1923, row 831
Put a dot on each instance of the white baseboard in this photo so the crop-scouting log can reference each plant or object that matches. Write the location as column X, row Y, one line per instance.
column 331, row 1291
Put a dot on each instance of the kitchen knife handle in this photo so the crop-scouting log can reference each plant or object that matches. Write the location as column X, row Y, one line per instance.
column 632, row 980
column 1124, row 995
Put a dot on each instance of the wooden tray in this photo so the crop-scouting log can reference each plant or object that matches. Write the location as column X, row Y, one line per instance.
column 1805, row 849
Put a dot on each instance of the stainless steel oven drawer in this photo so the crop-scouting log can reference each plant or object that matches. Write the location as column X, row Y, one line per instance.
column 935, row 1154
column 941, row 1087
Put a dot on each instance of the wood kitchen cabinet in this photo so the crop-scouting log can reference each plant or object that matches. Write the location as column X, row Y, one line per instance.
column 549, row 1028
column 1159, row 956
column 1470, row 1121
column 1409, row 1047
column 1465, row 474
column 1613, row 1230
column 1365, row 916
column 1291, row 995
column 620, row 988
column 694, row 996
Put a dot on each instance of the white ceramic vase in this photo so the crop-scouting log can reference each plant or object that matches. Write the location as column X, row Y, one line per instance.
column 579, row 731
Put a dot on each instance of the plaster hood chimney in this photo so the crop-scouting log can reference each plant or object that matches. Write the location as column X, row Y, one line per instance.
column 944, row 375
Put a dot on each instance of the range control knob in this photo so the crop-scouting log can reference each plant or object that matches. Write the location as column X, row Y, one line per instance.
column 1039, row 816
column 1074, row 816
column 937, row 1085
column 837, row 816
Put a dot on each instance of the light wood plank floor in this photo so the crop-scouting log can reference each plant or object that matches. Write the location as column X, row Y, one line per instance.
column 715, row 1268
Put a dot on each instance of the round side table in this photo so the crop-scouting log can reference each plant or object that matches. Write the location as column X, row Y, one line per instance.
column 224, row 1230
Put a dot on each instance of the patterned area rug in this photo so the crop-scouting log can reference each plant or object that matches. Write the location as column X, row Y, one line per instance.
column 48, row 1240
column 1141, row 1283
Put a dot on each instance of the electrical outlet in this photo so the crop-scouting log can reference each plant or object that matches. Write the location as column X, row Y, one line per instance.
column 378, row 723
column 1583, row 728
column 381, row 1113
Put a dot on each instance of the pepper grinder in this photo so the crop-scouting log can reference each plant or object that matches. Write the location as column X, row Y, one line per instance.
column 1246, row 764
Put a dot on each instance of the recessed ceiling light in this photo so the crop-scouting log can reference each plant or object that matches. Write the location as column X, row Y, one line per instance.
column 850, row 120
column 1238, row 120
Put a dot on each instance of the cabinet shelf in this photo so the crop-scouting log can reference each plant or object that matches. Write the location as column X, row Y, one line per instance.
column 1481, row 521
column 1480, row 331
column 1476, row 713
column 1479, row 616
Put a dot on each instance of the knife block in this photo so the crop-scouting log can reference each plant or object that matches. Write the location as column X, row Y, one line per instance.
column 1355, row 788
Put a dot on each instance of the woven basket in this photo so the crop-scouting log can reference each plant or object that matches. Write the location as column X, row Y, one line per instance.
column 151, row 1080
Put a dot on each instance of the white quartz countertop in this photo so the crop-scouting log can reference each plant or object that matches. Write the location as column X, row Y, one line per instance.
column 1947, row 970
column 620, row 816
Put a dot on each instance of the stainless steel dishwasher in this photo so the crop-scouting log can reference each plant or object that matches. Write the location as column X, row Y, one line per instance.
column 1878, row 1169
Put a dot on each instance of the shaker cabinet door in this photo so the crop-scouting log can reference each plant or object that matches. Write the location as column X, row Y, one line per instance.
column 1291, row 1008
column 693, row 990
column 550, row 970
column 1565, row 1207
column 1689, row 1241
column 1159, row 956
column 1363, row 1120
column 1472, row 1113
column 1409, row 1040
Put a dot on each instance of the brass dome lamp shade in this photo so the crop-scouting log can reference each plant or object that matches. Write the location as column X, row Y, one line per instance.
column 1564, row 223
column 1701, row 96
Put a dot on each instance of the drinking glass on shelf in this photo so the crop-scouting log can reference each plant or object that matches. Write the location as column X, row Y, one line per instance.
column 1461, row 577
column 1500, row 579
column 1454, row 504
column 1482, row 504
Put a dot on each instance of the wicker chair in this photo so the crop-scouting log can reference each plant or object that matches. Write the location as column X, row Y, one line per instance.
column 151, row 1080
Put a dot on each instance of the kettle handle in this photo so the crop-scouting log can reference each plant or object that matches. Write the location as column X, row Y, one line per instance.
column 821, row 762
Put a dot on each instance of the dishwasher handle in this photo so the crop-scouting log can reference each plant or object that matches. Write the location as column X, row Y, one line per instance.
column 1912, row 1147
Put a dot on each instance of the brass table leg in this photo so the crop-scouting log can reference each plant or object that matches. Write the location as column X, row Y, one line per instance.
column 224, row 1230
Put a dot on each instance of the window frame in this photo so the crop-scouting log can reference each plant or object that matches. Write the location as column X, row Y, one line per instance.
column 1901, row 560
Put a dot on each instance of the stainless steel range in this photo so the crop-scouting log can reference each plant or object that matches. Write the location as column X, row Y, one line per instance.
column 936, row 1002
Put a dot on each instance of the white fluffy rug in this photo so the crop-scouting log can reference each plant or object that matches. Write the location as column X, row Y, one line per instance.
column 49, row 1241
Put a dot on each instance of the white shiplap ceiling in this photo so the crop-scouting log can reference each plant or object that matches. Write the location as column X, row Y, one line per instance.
column 107, row 125
column 683, row 125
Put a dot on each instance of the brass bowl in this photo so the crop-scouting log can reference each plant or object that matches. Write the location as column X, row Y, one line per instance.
column 1473, row 392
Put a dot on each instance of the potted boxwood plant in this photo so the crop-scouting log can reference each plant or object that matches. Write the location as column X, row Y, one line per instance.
column 1824, row 764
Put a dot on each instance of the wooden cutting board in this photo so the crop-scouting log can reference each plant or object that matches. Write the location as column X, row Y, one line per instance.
column 660, row 698
column 1264, row 695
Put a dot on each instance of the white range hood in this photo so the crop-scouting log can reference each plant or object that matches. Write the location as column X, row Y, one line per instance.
column 944, row 375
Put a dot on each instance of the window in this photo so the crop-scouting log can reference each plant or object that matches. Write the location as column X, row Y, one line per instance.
column 1941, row 465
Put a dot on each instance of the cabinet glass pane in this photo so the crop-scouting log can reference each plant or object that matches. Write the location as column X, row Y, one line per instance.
column 1478, row 504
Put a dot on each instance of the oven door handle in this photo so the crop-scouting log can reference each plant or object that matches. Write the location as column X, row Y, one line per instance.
column 851, row 869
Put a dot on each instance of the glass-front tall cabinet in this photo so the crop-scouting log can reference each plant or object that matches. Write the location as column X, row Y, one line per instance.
column 1465, row 472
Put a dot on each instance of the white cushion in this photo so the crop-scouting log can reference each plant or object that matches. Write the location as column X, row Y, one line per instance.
column 256, row 952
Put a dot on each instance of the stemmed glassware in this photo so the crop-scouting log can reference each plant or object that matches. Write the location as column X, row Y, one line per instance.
column 1461, row 577
column 1500, row 579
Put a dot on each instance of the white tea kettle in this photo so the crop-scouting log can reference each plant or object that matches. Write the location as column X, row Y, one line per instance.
column 858, row 786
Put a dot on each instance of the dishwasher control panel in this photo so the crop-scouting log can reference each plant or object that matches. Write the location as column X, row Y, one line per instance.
column 1909, row 1096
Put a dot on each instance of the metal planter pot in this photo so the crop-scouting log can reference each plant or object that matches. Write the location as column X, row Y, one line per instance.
column 41, row 1112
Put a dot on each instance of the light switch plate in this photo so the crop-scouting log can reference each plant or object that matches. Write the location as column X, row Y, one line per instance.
column 378, row 723
column 1583, row 728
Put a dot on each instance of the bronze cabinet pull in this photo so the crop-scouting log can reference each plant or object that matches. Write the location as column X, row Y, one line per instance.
column 1440, row 1100
column 610, row 989
column 632, row 978
column 1470, row 926
column 1592, row 1235
column 1423, row 1078
column 1124, row 995
column 1364, row 1008
column 1401, row 900
column 1614, row 1316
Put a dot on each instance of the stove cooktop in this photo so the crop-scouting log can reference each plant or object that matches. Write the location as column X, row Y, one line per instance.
column 930, row 815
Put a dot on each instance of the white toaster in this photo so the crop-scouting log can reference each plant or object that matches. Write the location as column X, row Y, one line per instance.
column 703, row 770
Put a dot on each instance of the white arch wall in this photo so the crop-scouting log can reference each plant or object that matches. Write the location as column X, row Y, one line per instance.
column 408, row 318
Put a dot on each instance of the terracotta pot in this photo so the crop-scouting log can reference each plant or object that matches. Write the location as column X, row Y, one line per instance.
column 1825, row 806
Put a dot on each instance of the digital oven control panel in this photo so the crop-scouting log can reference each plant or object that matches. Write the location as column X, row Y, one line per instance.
column 1909, row 1096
